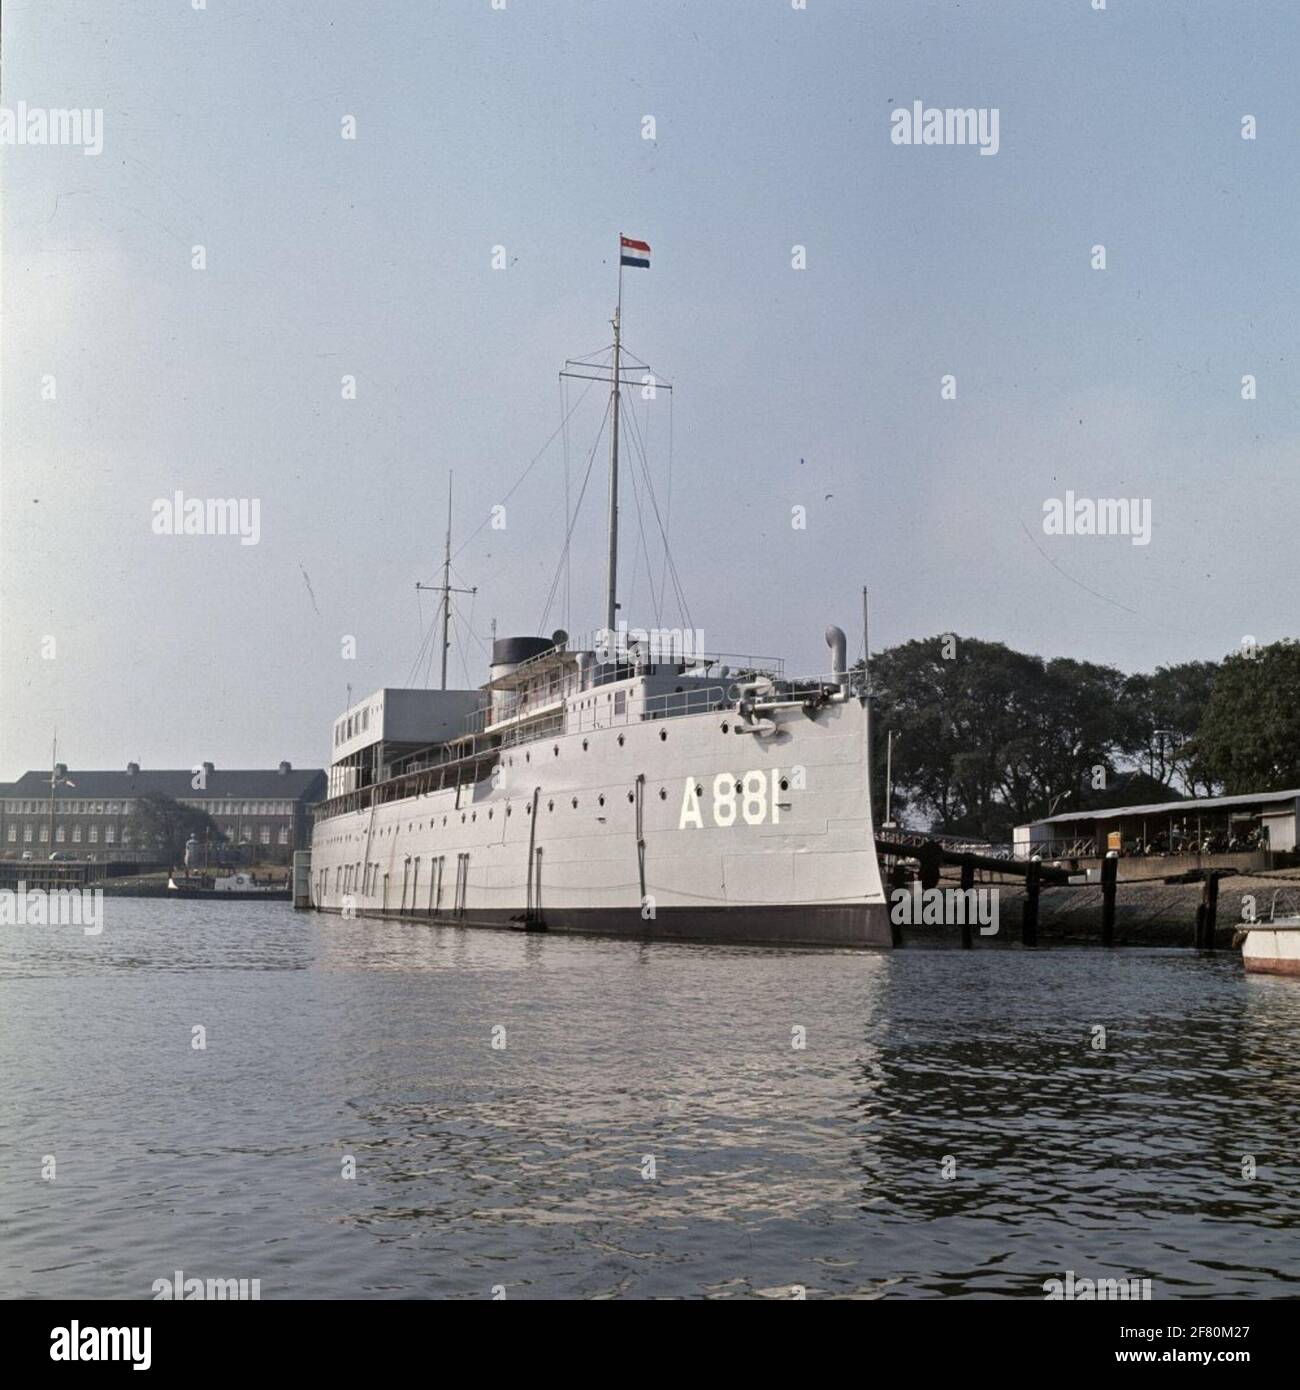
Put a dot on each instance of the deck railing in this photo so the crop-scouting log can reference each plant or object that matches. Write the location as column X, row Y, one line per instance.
column 432, row 768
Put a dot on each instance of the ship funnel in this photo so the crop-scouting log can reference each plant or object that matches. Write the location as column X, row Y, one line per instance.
column 839, row 645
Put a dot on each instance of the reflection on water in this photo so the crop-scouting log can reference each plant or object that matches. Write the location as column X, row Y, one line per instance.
column 774, row 1165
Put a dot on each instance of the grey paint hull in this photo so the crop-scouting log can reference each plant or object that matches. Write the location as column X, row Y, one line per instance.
column 635, row 829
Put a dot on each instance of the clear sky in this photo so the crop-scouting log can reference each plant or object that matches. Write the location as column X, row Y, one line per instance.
column 523, row 127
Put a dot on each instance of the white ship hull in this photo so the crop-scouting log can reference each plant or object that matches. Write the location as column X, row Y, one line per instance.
column 638, row 829
column 1272, row 949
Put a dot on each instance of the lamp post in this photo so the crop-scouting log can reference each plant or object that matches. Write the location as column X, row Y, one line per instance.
column 889, row 777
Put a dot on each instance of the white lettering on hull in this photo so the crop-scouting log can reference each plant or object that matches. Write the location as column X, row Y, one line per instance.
column 754, row 799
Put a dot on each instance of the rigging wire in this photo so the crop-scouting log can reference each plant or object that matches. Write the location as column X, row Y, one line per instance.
column 532, row 463
column 678, row 590
column 668, row 505
column 568, row 539
column 564, row 421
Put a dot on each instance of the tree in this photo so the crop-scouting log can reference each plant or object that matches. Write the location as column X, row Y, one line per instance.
column 1162, row 712
column 1248, row 739
column 162, row 826
column 986, row 737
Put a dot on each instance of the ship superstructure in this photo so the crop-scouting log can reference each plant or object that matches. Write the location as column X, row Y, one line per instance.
column 626, row 784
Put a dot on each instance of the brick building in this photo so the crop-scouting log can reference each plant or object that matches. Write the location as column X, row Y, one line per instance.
column 266, row 813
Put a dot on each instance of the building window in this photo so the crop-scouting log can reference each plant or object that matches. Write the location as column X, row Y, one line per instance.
column 76, row 834
column 13, row 833
column 266, row 834
column 27, row 834
column 109, row 835
column 284, row 834
column 94, row 834
column 45, row 834
column 59, row 835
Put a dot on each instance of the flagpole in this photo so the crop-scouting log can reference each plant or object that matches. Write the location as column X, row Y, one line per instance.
column 611, row 588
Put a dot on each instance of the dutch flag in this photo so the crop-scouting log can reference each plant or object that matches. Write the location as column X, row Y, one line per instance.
column 634, row 252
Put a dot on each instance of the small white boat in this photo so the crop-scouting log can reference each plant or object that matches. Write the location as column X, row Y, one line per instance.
column 1272, row 947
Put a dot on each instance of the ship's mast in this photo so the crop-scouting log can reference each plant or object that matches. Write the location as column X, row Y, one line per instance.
column 446, row 589
column 611, row 582
column 582, row 369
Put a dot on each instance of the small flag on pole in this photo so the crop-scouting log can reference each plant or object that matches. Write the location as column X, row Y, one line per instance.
column 634, row 252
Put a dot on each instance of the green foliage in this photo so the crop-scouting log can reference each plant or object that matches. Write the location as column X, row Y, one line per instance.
column 1248, row 738
column 1164, row 710
column 986, row 737
column 162, row 826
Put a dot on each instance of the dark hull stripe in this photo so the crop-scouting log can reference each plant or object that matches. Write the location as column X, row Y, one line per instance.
column 864, row 924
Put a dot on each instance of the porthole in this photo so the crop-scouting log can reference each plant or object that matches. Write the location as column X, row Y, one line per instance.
column 528, row 757
column 556, row 750
column 663, row 735
column 739, row 788
column 785, row 784
column 663, row 794
column 630, row 797
column 462, row 817
column 584, row 745
column 575, row 803
column 550, row 805
column 600, row 801
column 489, row 813
column 699, row 790
column 725, row 726
column 509, row 810
column 620, row 740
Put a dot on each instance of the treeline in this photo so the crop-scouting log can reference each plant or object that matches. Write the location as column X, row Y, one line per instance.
column 986, row 737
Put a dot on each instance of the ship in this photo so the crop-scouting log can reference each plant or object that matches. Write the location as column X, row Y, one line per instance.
column 1272, row 946
column 627, row 784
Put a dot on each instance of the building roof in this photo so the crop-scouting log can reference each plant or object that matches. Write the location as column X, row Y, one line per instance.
column 179, row 785
column 1193, row 804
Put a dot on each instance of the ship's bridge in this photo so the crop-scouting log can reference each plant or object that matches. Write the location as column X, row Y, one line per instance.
column 373, row 735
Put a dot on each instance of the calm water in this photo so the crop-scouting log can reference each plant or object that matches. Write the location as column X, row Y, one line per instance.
column 523, row 1166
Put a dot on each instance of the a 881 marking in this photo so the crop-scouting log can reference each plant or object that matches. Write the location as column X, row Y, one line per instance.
column 754, row 799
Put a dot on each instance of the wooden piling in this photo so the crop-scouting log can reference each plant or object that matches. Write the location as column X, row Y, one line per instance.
column 1207, row 912
column 930, row 857
column 967, row 884
column 897, row 880
column 1109, row 874
column 1029, row 919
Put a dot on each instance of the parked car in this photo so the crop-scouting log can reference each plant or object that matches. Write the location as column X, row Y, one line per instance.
column 27, row 854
